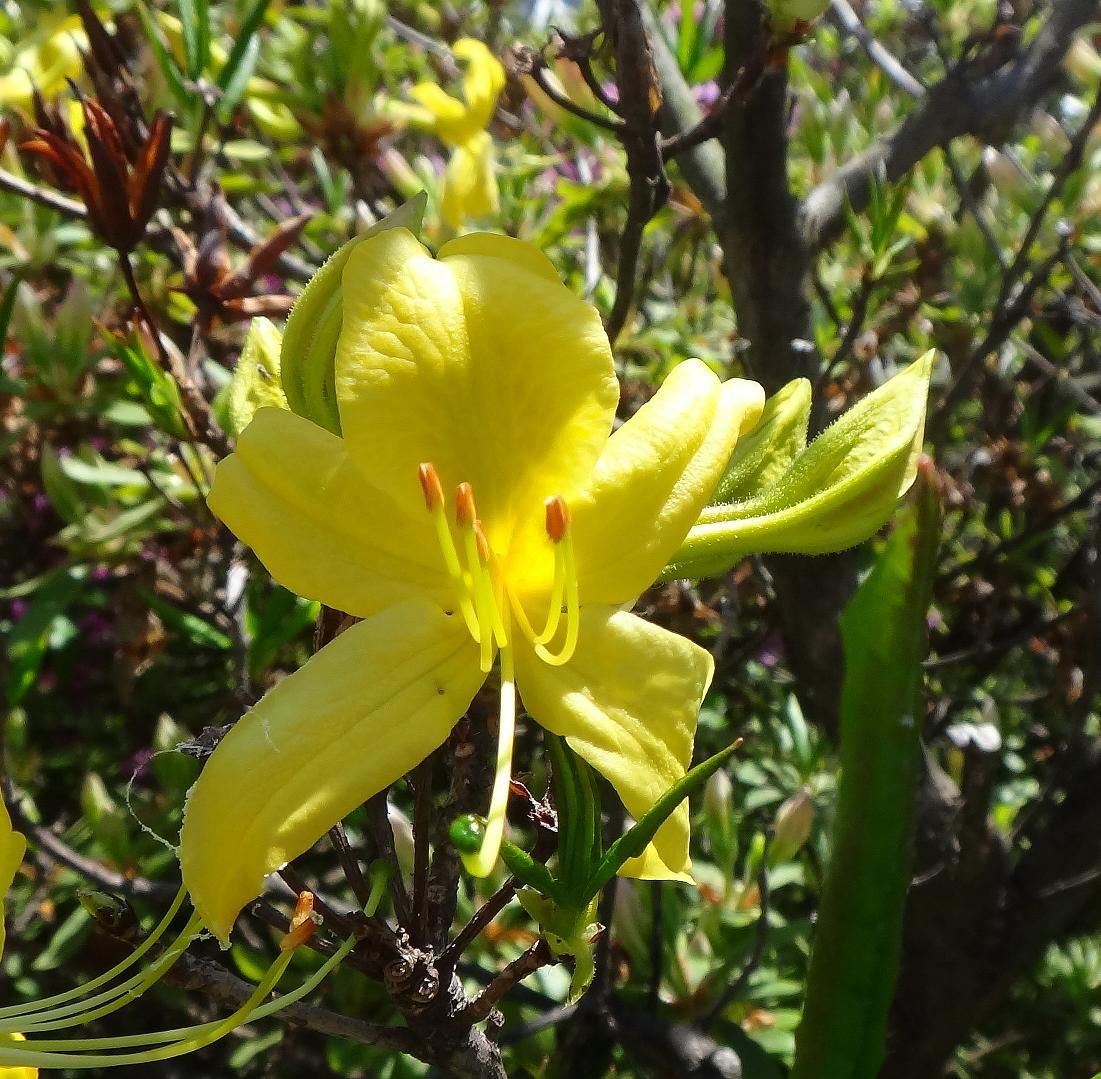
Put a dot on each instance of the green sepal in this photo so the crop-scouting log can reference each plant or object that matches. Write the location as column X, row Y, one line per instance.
column 763, row 456
column 634, row 841
column 578, row 803
column 569, row 932
column 255, row 382
column 308, row 356
column 837, row 492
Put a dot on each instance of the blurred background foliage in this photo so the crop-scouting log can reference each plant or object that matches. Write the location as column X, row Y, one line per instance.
column 131, row 620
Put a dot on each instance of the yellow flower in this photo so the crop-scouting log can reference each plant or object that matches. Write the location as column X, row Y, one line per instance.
column 50, row 56
column 475, row 372
column 13, row 845
column 469, row 184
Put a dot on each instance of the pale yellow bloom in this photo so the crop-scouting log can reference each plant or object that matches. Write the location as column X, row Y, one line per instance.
column 470, row 183
column 476, row 372
column 13, row 846
column 49, row 56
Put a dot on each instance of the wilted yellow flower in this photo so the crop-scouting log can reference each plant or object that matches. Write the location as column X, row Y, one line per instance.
column 469, row 184
column 477, row 373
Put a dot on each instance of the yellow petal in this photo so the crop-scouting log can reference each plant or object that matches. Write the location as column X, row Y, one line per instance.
column 470, row 183
column 361, row 713
column 653, row 478
column 497, row 374
column 483, row 81
column 291, row 494
column 449, row 115
column 627, row 702
column 13, row 846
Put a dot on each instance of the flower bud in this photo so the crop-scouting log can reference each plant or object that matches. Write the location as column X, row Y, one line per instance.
column 835, row 494
column 762, row 456
column 787, row 14
column 792, row 828
column 308, row 355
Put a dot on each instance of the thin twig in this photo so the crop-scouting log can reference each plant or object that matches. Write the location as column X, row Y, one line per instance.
column 349, row 863
column 538, row 955
column 422, row 823
column 485, row 914
column 539, row 74
column 378, row 816
column 879, row 55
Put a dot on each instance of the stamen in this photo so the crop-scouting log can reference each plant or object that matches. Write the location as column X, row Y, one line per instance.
column 483, row 589
column 481, row 863
column 303, row 923
column 564, row 586
column 465, row 511
column 135, row 956
column 110, row 1000
column 485, row 559
column 557, row 516
column 433, row 501
column 430, row 485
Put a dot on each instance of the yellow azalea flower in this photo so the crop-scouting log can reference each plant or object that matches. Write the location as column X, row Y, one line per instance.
column 475, row 372
column 469, row 184
column 13, row 846
column 50, row 56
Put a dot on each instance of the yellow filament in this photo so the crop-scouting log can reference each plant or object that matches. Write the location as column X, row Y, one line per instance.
column 558, row 591
column 176, row 1034
column 111, row 1000
column 455, row 571
column 24, row 1010
column 482, row 863
column 14, row 1055
column 565, row 568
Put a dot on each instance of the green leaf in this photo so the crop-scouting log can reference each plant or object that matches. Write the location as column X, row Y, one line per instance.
column 242, row 57
column 856, row 945
column 29, row 638
column 633, row 842
column 189, row 625
column 60, row 488
column 192, row 15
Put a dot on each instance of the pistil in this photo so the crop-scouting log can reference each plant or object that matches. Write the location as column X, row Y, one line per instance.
column 481, row 863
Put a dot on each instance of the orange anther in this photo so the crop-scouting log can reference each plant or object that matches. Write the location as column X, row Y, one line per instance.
column 430, row 485
column 482, row 542
column 558, row 517
column 303, row 923
column 465, row 512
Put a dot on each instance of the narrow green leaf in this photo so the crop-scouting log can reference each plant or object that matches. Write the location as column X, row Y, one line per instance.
column 165, row 61
column 250, row 27
column 189, row 28
column 856, row 945
column 530, row 872
column 196, row 629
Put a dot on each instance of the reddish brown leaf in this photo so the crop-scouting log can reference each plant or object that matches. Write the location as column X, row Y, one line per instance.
column 262, row 258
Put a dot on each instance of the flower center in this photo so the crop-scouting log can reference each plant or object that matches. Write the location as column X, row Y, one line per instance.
column 489, row 605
